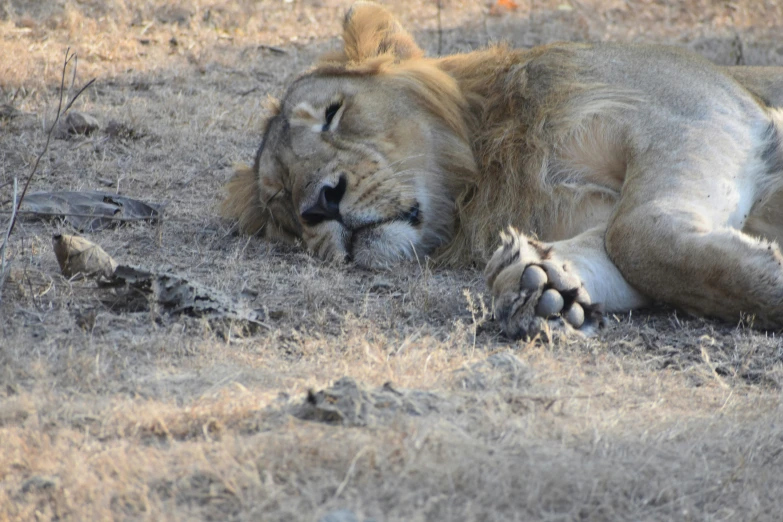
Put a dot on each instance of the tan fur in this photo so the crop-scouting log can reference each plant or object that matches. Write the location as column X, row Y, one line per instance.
column 366, row 35
column 380, row 154
column 243, row 204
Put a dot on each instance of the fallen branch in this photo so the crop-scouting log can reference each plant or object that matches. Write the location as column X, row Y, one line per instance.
column 61, row 214
column 89, row 210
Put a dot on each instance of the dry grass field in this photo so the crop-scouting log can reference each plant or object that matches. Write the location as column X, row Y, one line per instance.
column 392, row 396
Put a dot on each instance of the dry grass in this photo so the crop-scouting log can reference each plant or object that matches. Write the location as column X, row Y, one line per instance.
column 144, row 416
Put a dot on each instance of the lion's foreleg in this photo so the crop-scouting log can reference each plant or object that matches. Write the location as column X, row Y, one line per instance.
column 566, row 283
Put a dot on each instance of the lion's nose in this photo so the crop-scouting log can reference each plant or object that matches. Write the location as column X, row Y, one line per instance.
column 328, row 205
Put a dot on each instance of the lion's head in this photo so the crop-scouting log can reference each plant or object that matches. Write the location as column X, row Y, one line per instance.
column 365, row 155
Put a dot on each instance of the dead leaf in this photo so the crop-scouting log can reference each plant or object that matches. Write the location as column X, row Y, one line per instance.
column 90, row 211
column 177, row 295
column 134, row 288
column 79, row 256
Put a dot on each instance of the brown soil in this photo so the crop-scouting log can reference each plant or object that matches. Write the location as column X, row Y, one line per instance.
column 108, row 413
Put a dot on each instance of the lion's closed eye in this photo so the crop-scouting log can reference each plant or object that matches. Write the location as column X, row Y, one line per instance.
column 331, row 112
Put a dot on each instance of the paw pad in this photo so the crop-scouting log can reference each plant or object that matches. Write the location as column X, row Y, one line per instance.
column 534, row 290
column 550, row 303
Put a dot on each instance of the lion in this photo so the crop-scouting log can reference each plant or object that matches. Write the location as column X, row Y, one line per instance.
column 586, row 178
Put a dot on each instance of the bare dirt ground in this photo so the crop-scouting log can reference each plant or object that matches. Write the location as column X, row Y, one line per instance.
column 144, row 415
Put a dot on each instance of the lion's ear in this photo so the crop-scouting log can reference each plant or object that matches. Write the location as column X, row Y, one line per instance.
column 243, row 203
column 370, row 30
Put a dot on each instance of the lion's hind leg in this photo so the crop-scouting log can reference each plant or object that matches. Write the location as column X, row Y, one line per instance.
column 721, row 273
column 684, row 244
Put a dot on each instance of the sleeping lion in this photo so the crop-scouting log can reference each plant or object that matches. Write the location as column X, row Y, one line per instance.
column 603, row 176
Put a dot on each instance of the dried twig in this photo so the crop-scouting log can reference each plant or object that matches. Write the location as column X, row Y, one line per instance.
column 350, row 472
column 18, row 200
column 706, row 357
column 3, row 268
column 60, row 112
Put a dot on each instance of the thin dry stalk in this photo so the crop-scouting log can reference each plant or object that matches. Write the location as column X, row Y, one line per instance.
column 18, row 201
column 60, row 112
column 479, row 313
column 706, row 357
column 5, row 265
column 350, row 472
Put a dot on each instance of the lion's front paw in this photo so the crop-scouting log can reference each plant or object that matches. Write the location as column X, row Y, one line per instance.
column 534, row 291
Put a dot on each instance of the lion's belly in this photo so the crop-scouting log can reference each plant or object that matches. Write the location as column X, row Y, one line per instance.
column 586, row 175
